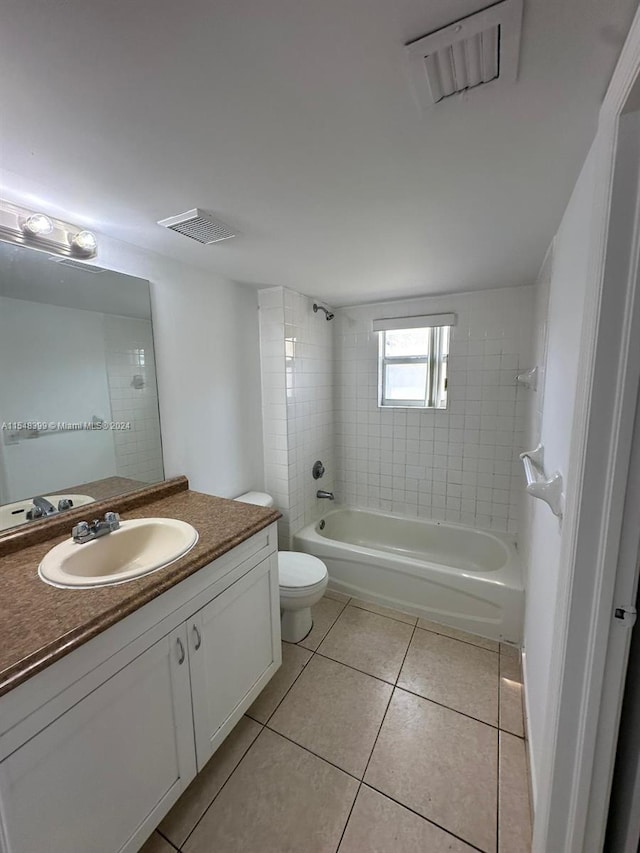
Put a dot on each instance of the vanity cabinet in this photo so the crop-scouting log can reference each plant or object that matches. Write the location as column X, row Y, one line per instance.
column 96, row 768
column 85, row 781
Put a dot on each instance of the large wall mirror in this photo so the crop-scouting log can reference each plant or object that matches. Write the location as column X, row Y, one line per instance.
column 78, row 395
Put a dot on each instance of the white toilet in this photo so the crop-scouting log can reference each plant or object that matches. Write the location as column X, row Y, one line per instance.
column 303, row 580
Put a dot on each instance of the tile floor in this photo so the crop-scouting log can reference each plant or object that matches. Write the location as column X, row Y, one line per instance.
column 380, row 733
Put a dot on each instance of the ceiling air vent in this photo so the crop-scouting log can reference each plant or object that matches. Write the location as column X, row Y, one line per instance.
column 199, row 225
column 480, row 50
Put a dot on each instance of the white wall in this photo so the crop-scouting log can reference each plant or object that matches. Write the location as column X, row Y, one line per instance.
column 205, row 331
column 567, row 286
column 461, row 464
column 535, row 401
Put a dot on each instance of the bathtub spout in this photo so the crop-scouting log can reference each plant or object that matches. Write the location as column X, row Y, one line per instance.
column 327, row 495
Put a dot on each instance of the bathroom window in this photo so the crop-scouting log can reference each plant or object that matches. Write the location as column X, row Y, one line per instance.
column 413, row 366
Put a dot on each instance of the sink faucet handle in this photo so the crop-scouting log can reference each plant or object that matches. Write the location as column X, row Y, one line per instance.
column 80, row 530
column 112, row 519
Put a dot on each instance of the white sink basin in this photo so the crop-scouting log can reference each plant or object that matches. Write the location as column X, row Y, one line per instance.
column 137, row 548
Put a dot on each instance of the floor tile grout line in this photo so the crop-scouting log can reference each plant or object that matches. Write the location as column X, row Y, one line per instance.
column 449, row 708
column 404, row 657
column 428, row 630
column 417, row 625
column 381, row 680
column 362, row 782
column 500, row 688
column 458, row 640
column 224, row 784
column 348, row 601
column 359, row 780
column 394, row 685
column 355, row 669
column 386, row 615
column 375, row 741
column 353, row 805
column 397, row 686
column 418, row 814
column 311, row 752
column 288, row 690
column 384, row 716
column 499, row 745
column 169, row 842
column 382, row 615
column 498, row 793
column 344, row 607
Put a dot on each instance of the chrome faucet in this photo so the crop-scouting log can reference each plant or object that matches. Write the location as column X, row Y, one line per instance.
column 85, row 532
column 328, row 495
column 41, row 507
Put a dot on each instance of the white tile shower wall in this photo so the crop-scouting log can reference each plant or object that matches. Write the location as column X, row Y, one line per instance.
column 296, row 348
column 309, row 354
column 133, row 391
column 457, row 465
column 274, row 405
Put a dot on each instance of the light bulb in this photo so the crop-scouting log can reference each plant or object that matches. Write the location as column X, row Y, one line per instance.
column 37, row 225
column 84, row 243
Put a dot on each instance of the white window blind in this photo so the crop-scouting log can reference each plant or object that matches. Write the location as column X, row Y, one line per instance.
column 421, row 321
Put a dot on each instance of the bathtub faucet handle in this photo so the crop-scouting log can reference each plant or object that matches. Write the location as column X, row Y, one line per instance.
column 328, row 495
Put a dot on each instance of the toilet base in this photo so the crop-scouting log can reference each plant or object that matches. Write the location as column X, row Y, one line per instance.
column 295, row 624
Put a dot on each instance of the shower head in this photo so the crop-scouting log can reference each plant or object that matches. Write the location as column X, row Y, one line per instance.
column 328, row 314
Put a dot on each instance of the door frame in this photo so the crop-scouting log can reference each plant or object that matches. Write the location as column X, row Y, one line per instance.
column 569, row 816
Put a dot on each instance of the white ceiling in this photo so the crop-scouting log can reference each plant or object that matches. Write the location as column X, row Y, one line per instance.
column 294, row 121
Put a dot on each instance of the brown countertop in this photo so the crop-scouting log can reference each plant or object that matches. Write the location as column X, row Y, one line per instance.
column 108, row 487
column 40, row 624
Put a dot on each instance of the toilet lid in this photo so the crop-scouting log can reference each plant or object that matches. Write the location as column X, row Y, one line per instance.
column 298, row 570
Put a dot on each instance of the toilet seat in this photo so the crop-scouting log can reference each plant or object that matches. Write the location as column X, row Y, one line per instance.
column 300, row 573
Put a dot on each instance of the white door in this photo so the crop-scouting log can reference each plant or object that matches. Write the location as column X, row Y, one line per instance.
column 234, row 649
column 100, row 777
column 623, row 832
column 621, row 532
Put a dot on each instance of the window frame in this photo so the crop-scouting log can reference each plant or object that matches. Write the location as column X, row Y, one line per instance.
column 435, row 368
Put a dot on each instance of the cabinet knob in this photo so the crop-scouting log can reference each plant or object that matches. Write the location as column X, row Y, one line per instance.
column 181, row 653
column 198, row 639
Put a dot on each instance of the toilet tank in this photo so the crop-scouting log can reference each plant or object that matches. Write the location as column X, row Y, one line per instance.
column 256, row 498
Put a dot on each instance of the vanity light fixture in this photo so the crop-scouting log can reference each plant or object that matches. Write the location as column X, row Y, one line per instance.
column 84, row 244
column 32, row 228
column 37, row 225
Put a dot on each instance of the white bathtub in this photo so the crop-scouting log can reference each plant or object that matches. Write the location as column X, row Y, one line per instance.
column 469, row 579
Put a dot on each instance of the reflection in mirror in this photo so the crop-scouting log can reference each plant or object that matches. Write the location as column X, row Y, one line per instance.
column 78, row 396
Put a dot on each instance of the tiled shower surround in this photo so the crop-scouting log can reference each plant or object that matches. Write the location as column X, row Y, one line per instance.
column 131, row 373
column 320, row 401
column 297, row 397
column 457, row 465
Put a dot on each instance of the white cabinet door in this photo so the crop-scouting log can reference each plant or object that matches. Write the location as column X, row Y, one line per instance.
column 99, row 778
column 234, row 649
